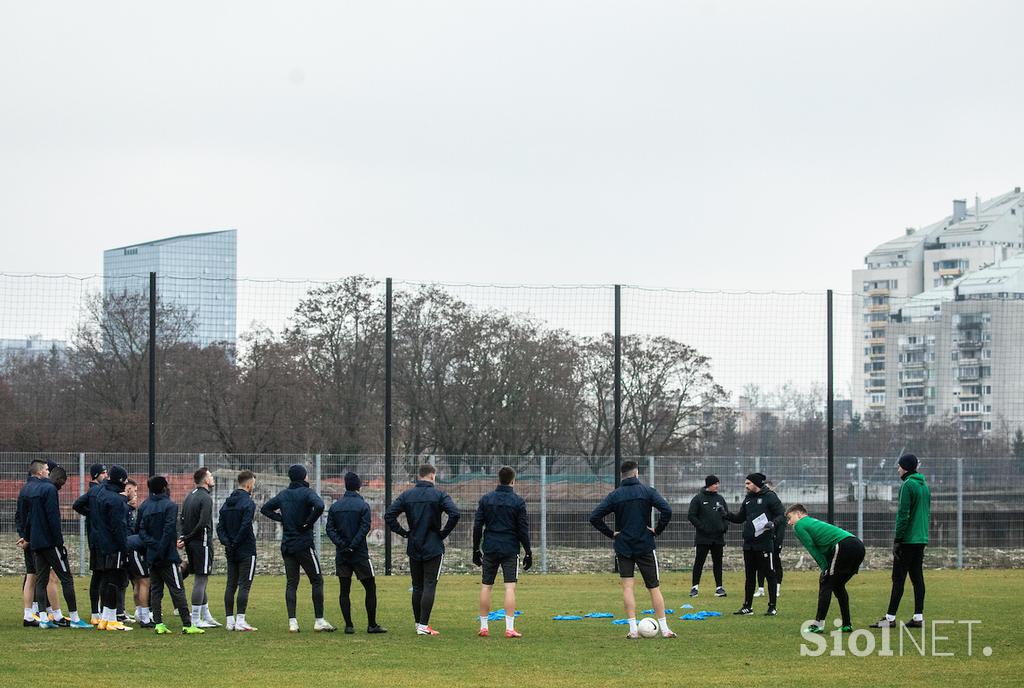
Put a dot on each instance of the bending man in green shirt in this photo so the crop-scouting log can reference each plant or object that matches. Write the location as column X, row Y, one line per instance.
column 839, row 555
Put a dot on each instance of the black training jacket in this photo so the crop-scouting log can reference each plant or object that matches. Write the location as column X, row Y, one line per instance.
column 23, row 512
column 296, row 508
column 348, row 523
column 234, row 527
column 197, row 517
column 707, row 514
column 422, row 505
column 44, row 516
column 109, row 509
column 83, row 505
column 502, row 522
column 764, row 502
column 158, row 529
column 632, row 503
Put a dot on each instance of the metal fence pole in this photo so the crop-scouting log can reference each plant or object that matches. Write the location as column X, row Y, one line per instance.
column 388, row 458
column 959, row 513
column 319, row 491
column 152, row 374
column 202, row 459
column 544, row 514
column 650, row 481
column 81, row 519
column 861, row 489
column 830, row 414
column 617, row 382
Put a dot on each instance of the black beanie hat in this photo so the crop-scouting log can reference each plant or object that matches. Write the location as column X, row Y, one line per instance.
column 117, row 475
column 711, row 480
column 352, row 482
column 758, row 479
column 96, row 470
column 157, row 484
column 296, row 472
column 908, row 462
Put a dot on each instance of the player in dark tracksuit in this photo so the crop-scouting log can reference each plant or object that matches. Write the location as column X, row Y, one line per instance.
column 108, row 509
column 422, row 505
column 758, row 549
column 707, row 514
column 297, row 508
column 197, row 539
column 234, row 530
column 348, row 523
column 158, row 533
column 23, row 524
column 46, row 542
column 98, row 473
column 502, row 524
column 631, row 503
column 780, row 537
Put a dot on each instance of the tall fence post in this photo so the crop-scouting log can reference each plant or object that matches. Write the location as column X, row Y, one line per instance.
column 544, row 514
column 861, row 489
column 959, row 513
column 830, row 413
column 388, row 458
column 82, row 537
column 319, row 490
column 202, row 461
column 152, row 374
column 650, row 481
column 617, row 383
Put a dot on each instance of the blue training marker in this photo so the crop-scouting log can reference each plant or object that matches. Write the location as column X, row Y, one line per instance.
column 598, row 615
column 566, row 617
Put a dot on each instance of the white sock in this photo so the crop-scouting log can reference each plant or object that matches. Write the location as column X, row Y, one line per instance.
column 918, row 617
column 28, row 614
column 632, row 624
column 696, row 587
column 890, row 617
column 74, row 617
column 483, row 623
column 421, row 627
column 229, row 620
column 206, row 612
column 819, row 623
column 663, row 624
column 35, row 607
column 240, row 620
column 321, row 621
column 197, row 612
column 510, row 622
column 144, row 615
column 293, row 622
column 57, row 616
column 109, row 614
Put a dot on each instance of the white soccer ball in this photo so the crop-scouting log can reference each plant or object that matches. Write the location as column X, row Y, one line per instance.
column 647, row 628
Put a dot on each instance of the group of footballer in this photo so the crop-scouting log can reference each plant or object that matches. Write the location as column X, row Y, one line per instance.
column 140, row 544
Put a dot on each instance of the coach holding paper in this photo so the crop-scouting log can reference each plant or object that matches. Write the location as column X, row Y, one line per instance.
column 758, row 546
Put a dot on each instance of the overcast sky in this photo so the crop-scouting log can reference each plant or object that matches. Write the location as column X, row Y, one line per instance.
column 719, row 145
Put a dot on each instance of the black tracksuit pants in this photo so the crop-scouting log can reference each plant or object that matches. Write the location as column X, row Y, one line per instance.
column 777, row 563
column 168, row 574
column 425, row 575
column 345, row 599
column 701, row 556
column 755, row 562
column 308, row 561
column 54, row 559
column 847, row 556
column 909, row 561
column 240, row 575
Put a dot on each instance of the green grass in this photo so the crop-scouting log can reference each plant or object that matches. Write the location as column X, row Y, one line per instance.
column 728, row 651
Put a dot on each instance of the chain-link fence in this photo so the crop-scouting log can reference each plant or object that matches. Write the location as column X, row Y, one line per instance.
column 975, row 520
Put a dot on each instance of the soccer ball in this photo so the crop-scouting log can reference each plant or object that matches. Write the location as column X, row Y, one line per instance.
column 647, row 628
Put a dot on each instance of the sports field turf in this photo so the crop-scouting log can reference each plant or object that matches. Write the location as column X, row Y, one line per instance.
column 726, row 651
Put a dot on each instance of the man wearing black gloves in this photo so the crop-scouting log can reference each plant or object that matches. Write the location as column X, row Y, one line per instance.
column 158, row 533
column 108, row 509
column 348, row 523
column 502, row 523
column 98, row 473
column 422, row 505
column 297, row 508
column 631, row 503
column 234, row 530
column 707, row 514
column 761, row 514
column 46, row 542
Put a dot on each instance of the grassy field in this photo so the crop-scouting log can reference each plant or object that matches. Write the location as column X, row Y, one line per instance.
column 726, row 651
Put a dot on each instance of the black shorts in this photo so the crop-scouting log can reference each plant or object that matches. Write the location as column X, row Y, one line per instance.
column 30, row 562
column 111, row 562
column 509, row 564
column 200, row 558
column 360, row 566
column 137, row 567
column 647, row 563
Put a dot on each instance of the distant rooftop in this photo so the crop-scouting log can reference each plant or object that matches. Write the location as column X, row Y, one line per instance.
column 172, row 239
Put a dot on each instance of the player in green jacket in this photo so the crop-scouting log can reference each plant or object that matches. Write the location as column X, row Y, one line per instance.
column 839, row 555
column 909, row 541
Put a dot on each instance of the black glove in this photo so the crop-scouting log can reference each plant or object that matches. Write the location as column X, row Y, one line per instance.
column 478, row 558
column 897, row 550
column 527, row 561
column 347, row 550
column 769, row 526
column 823, row 577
